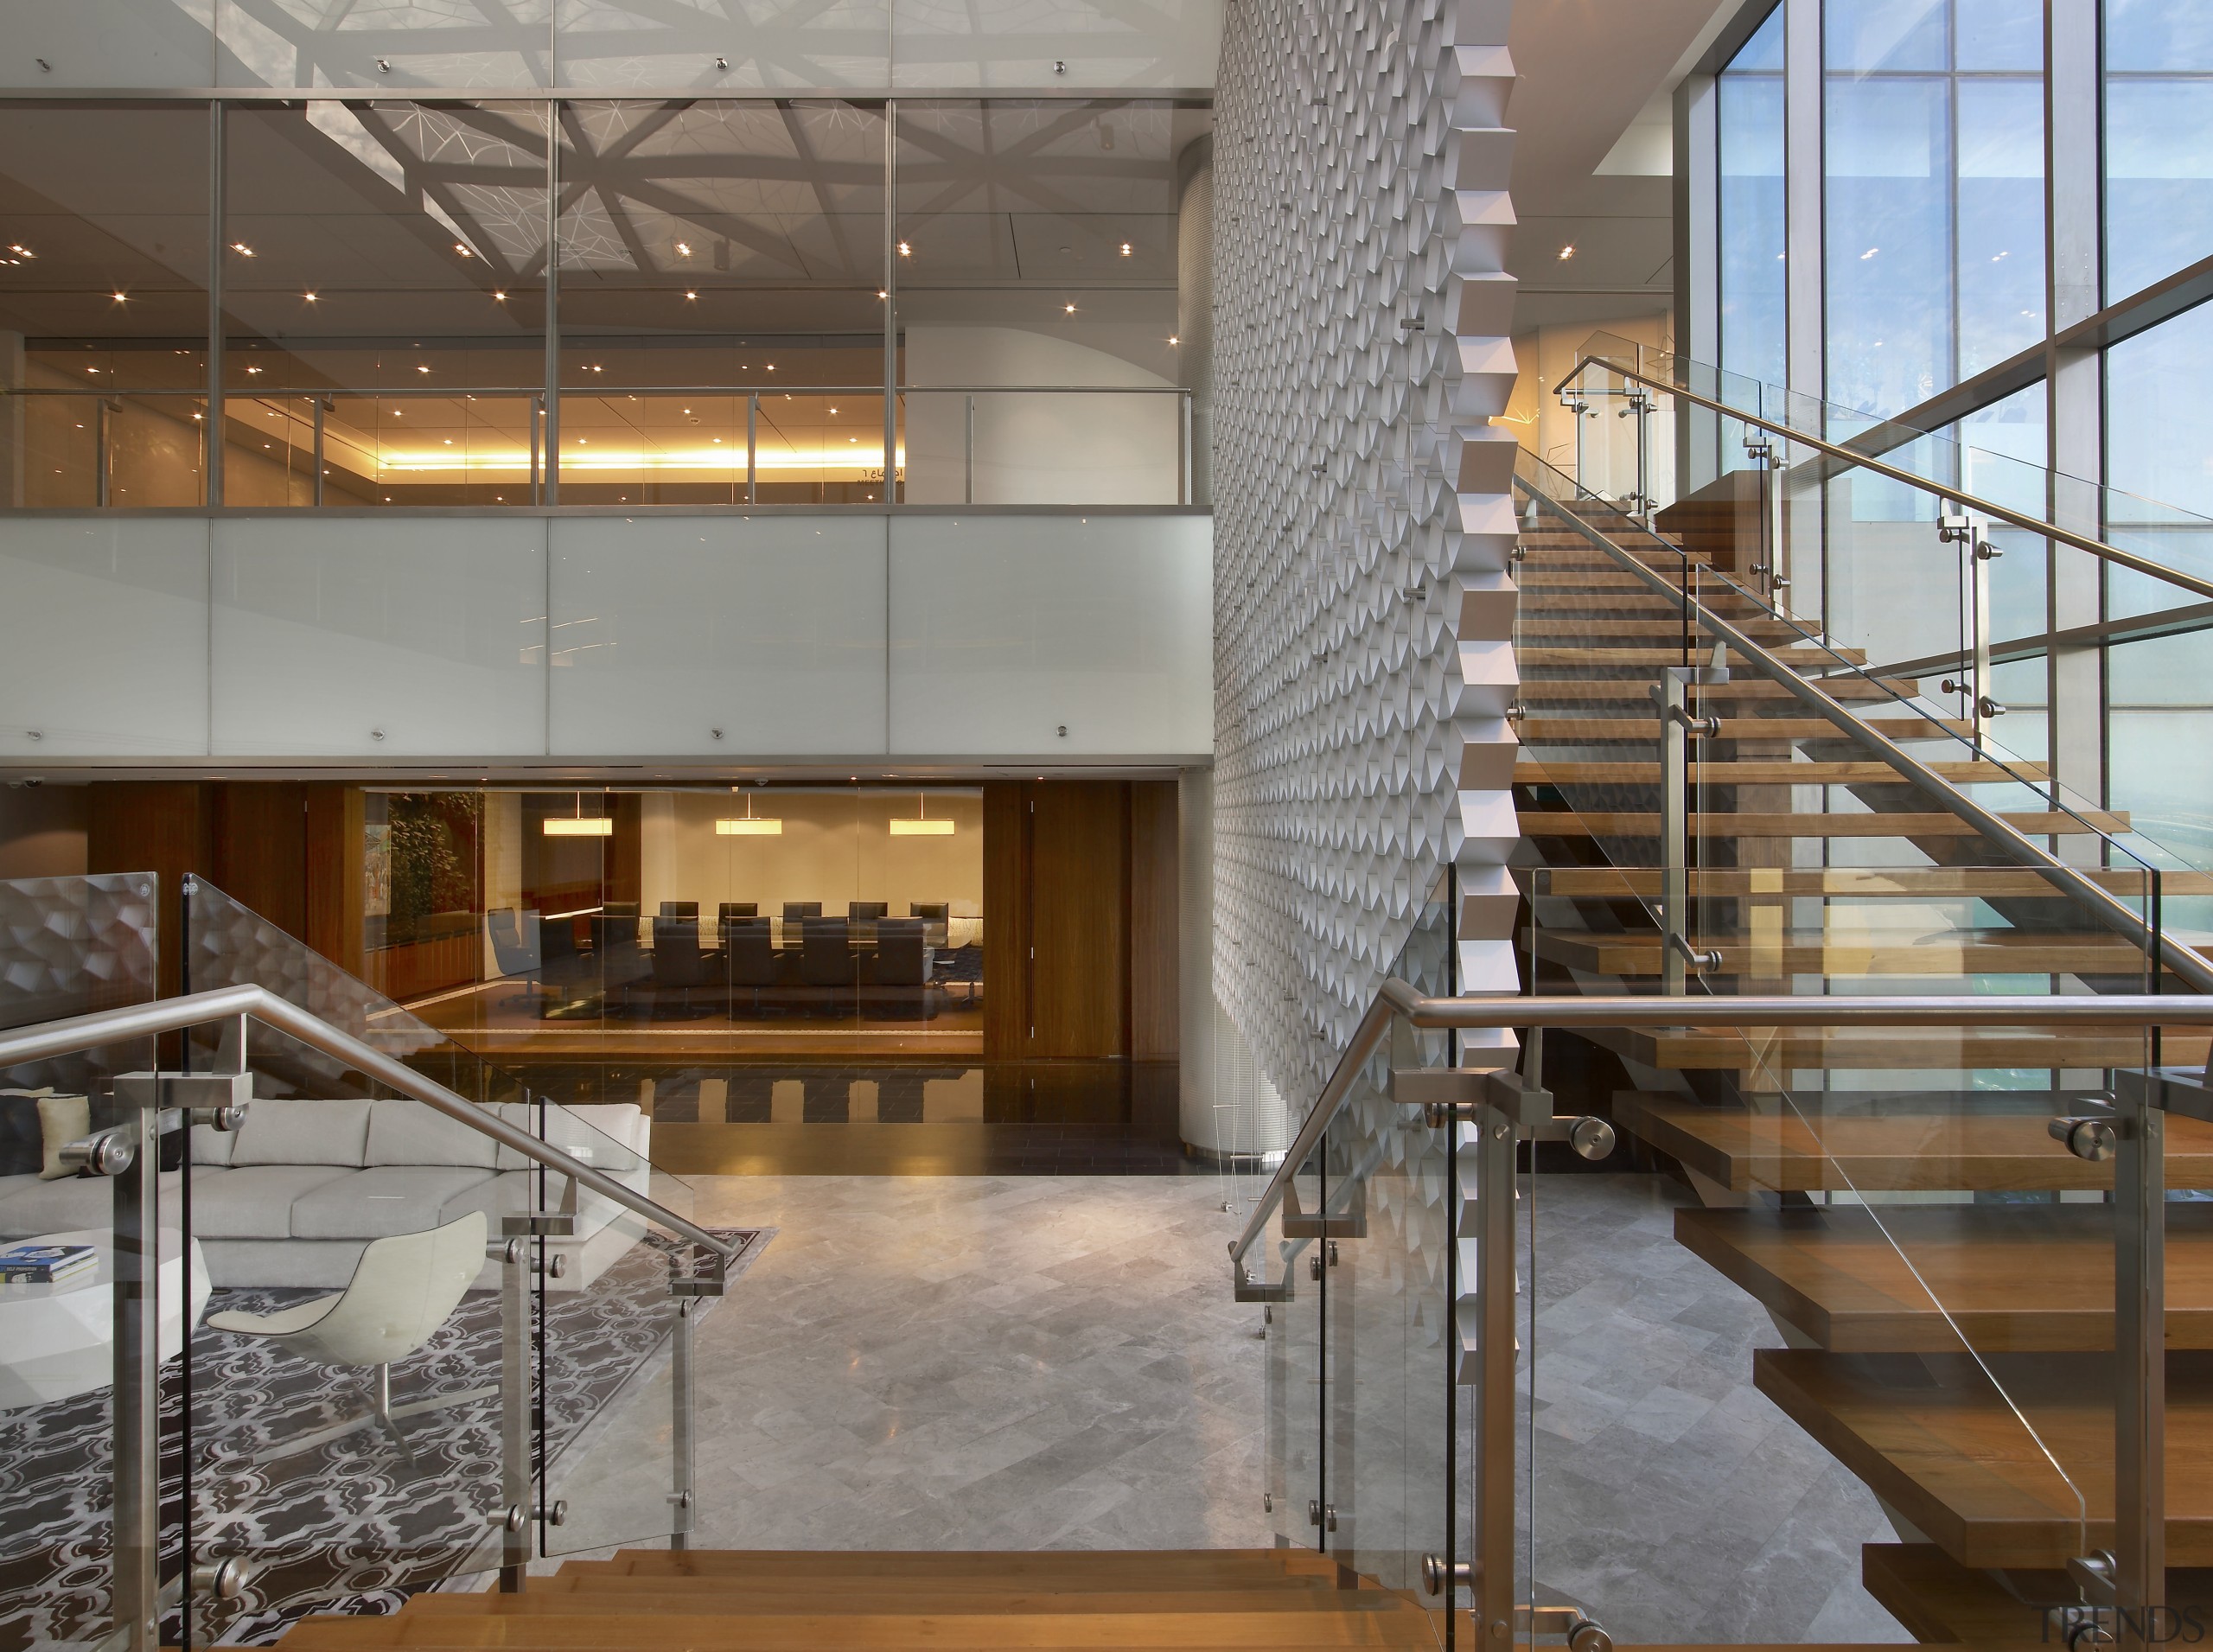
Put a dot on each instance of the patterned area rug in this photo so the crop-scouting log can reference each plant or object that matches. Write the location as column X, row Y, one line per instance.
column 351, row 1526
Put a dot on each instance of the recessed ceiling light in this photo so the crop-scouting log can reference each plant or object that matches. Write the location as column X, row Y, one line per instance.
column 690, row 294
column 422, row 369
column 120, row 297
column 905, row 251
column 1125, row 249
column 1568, row 252
column 1174, row 341
column 1070, row 309
column 684, row 249
column 462, row 248
column 310, row 297
column 501, row 297
column 241, row 248
column 21, row 250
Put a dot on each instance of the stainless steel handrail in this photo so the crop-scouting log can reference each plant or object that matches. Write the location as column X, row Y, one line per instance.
column 224, row 1003
column 2033, row 524
column 1396, row 999
column 2108, row 908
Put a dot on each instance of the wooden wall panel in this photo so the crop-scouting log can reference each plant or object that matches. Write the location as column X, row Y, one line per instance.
column 332, row 901
column 1006, row 920
column 1079, row 919
column 159, row 826
column 626, row 850
column 259, row 850
column 1155, row 902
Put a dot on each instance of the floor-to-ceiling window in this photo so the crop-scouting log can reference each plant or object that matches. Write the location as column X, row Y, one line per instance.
column 1753, row 252
column 2158, row 140
column 1934, row 163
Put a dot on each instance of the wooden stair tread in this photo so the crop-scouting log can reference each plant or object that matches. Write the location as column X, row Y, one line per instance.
column 1940, row 1601
column 1644, row 731
column 2012, row 1279
column 1885, row 1048
column 1555, row 655
column 1136, row 1564
column 1540, row 770
column 800, row 1598
column 1911, row 882
column 1788, row 951
column 859, row 1632
column 1995, row 1146
column 1932, row 1436
column 1629, row 689
column 1572, row 823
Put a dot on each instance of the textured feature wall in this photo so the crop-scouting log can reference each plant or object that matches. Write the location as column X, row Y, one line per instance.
column 1363, row 597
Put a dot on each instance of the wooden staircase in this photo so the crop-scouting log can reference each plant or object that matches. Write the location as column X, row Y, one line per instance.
column 807, row 1601
column 1940, row 1266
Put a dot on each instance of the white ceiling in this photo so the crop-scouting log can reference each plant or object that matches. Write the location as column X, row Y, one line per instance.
column 1594, row 153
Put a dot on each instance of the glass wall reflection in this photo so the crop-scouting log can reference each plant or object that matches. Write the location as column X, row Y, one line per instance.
column 780, row 919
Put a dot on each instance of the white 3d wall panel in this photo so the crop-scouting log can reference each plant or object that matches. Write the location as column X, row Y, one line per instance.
column 1363, row 597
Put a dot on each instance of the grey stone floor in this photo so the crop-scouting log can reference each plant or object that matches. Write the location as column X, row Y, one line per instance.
column 925, row 1362
column 1673, row 1501
column 1033, row 1363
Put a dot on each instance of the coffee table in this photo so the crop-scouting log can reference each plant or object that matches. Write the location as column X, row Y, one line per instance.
column 55, row 1339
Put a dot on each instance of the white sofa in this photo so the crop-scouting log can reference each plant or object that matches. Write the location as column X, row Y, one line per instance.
column 293, row 1196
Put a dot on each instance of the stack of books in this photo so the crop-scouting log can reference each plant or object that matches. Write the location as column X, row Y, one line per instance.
column 47, row 1264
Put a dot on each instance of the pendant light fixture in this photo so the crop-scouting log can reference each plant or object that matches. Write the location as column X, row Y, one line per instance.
column 922, row 825
column 580, row 825
column 749, row 825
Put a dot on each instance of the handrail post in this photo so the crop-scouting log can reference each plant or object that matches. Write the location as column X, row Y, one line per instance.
column 1674, row 831
column 968, row 455
column 682, row 1494
column 516, row 1508
column 2139, row 1368
column 752, row 448
column 1493, row 1537
column 135, row 1288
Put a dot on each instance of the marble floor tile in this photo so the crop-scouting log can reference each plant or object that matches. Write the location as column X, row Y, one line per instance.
column 1023, row 1361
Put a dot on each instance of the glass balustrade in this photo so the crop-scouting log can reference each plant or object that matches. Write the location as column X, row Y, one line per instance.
column 79, row 1535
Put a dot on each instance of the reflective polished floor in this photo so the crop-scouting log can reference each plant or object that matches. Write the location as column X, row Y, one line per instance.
column 891, row 1118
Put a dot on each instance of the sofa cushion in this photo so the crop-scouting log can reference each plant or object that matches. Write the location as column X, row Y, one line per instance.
column 407, row 1132
column 30, row 1205
column 377, row 1203
column 302, row 1133
column 61, row 1119
column 254, row 1201
column 515, row 1193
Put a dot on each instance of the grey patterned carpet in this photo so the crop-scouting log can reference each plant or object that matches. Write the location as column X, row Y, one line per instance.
column 349, row 1526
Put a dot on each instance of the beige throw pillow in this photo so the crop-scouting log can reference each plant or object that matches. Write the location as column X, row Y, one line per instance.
column 61, row 1119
